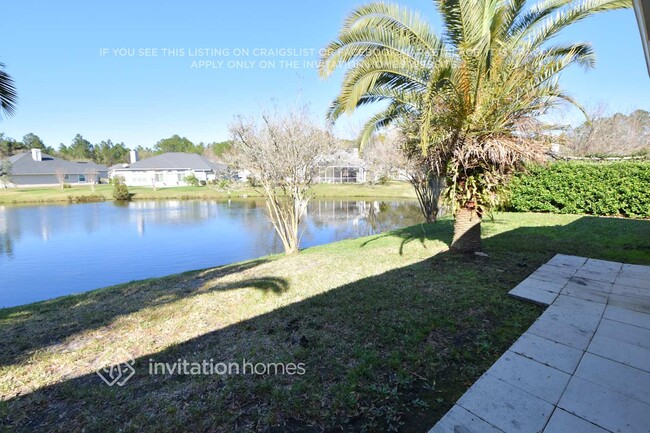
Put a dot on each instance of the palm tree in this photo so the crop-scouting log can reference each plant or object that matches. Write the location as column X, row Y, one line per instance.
column 8, row 96
column 474, row 92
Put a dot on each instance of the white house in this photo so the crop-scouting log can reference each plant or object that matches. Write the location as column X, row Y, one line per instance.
column 166, row 170
column 35, row 168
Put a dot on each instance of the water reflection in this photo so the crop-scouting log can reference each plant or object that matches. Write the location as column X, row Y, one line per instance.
column 8, row 233
column 48, row 251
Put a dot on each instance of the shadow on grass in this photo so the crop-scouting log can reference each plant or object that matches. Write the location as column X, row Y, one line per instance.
column 390, row 351
column 265, row 284
column 443, row 231
column 24, row 331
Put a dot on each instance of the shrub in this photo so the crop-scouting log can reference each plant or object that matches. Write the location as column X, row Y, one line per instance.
column 252, row 181
column 383, row 180
column 605, row 188
column 221, row 183
column 224, row 183
column 66, row 186
column 191, row 180
column 86, row 198
column 120, row 190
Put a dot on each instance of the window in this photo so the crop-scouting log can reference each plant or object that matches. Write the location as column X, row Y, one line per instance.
column 82, row 178
column 67, row 177
column 180, row 177
column 160, row 177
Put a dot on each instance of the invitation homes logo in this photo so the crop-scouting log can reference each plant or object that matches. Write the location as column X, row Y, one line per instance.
column 118, row 373
column 113, row 373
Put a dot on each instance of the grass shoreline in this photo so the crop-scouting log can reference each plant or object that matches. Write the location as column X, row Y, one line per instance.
column 401, row 190
column 392, row 330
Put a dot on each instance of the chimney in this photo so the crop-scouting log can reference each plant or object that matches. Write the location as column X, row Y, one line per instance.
column 133, row 156
column 36, row 155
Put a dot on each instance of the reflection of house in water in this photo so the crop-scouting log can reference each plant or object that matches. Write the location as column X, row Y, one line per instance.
column 339, row 210
column 346, row 217
column 367, row 217
column 42, row 222
column 170, row 212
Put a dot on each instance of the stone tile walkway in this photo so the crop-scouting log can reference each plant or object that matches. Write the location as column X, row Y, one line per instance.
column 582, row 367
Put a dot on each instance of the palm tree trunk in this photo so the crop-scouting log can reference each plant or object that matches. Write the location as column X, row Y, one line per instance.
column 467, row 231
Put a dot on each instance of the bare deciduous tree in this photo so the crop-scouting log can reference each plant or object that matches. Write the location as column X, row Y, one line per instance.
column 384, row 157
column 282, row 152
column 391, row 155
column 91, row 174
column 61, row 174
column 5, row 173
column 611, row 134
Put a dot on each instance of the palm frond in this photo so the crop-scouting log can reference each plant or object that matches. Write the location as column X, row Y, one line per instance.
column 8, row 94
column 396, row 19
column 541, row 31
column 379, row 121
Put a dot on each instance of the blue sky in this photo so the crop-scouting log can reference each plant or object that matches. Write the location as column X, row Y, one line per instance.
column 53, row 50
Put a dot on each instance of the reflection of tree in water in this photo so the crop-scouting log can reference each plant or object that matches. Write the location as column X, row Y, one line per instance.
column 43, row 221
column 247, row 210
column 327, row 220
column 9, row 232
column 384, row 216
column 246, row 215
column 266, row 238
column 6, row 246
column 344, row 219
column 251, row 217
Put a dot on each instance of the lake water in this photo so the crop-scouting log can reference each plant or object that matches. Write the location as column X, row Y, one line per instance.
column 53, row 250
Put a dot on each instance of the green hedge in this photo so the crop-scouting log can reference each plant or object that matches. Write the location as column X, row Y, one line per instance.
column 604, row 188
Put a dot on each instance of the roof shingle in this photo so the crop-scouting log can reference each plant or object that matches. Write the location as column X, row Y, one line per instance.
column 172, row 161
column 23, row 164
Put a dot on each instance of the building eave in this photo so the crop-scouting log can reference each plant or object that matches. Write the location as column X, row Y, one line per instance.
column 70, row 173
column 642, row 10
column 161, row 169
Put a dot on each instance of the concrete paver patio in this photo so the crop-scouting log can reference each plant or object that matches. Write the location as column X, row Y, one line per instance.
column 582, row 367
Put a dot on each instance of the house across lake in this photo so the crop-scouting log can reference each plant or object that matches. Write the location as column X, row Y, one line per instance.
column 34, row 168
column 166, row 170
column 344, row 166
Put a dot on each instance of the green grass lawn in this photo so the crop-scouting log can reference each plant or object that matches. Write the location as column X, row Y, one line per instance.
column 391, row 329
column 104, row 192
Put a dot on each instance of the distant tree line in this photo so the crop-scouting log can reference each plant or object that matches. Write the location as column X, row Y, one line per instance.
column 108, row 153
column 105, row 152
